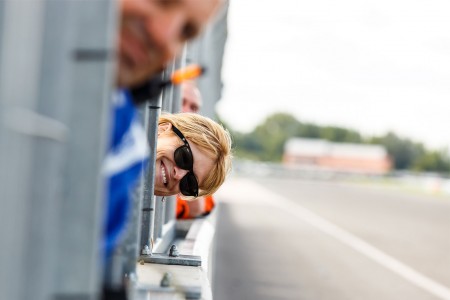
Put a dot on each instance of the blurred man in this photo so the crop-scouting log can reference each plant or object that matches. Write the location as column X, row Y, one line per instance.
column 191, row 98
column 151, row 34
column 201, row 206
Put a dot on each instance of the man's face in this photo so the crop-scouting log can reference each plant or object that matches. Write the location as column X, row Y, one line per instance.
column 152, row 33
column 191, row 99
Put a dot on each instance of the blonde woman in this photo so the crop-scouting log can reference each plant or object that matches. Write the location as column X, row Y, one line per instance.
column 193, row 157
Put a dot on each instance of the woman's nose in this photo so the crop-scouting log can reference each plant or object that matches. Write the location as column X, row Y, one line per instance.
column 179, row 173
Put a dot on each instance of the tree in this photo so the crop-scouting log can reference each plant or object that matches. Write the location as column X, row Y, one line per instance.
column 273, row 134
column 266, row 143
column 436, row 161
column 339, row 134
column 404, row 152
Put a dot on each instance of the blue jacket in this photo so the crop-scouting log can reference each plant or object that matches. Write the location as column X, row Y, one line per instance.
column 127, row 155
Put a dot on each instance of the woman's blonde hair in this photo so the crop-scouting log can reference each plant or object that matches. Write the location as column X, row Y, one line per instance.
column 211, row 138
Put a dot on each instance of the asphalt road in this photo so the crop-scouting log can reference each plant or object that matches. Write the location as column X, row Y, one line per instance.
column 292, row 239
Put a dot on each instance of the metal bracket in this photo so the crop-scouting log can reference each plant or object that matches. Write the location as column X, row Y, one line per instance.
column 166, row 259
column 173, row 258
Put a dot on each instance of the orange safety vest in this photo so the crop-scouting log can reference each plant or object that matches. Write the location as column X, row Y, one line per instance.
column 183, row 207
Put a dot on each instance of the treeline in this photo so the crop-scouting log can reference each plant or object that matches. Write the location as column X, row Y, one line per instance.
column 266, row 143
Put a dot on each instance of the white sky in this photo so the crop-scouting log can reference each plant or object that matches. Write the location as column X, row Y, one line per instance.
column 368, row 65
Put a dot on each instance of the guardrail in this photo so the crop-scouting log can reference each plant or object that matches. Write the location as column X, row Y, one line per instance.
column 56, row 78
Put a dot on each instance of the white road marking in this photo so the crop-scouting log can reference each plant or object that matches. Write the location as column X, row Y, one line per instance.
column 250, row 190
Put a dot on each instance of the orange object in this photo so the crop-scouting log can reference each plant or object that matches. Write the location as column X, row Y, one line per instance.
column 183, row 211
column 209, row 204
column 187, row 73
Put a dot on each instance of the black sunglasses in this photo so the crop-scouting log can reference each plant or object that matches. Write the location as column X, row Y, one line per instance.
column 184, row 160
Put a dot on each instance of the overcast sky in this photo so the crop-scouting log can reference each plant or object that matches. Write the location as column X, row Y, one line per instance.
column 373, row 66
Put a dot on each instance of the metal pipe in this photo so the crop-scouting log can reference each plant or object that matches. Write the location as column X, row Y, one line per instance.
column 148, row 205
column 180, row 62
column 159, row 217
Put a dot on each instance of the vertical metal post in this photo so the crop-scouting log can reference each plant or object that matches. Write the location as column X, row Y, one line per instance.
column 159, row 217
column 79, row 256
column 148, row 205
column 20, row 68
column 167, row 96
column 53, row 105
column 180, row 62
column 175, row 108
column 2, row 8
column 170, row 209
column 168, row 92
column 131, row 244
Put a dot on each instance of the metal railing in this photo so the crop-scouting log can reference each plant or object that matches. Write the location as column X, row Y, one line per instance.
column 56, row 79
column 152, row 221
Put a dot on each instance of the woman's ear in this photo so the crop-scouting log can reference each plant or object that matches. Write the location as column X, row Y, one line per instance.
column 163, row 127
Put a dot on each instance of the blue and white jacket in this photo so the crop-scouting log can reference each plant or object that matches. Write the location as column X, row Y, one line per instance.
column 127, row 155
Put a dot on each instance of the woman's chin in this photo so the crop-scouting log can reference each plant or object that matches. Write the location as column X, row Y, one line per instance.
column 162, row 191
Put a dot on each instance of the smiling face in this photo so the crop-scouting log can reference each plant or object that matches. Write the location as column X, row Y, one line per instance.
column 152, row 33
column 167, row 173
